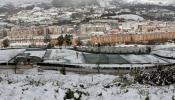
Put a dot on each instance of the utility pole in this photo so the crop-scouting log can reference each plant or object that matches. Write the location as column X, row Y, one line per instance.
column 98, row 62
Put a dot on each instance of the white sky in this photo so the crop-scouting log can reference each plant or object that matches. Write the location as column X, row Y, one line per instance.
column 19, row 2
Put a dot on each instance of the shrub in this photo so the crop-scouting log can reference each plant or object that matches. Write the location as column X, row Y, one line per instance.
column 60, row 40
column 69, row 94
column 63, row 71
column 147, row 98
column 74, row 95
column 1, row 79
column 173, row 97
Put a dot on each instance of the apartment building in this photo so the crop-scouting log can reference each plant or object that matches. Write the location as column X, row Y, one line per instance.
column 88, row 28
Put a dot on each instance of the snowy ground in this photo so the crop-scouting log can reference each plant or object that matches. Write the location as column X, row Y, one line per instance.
column 51, row 85
column 129, row 16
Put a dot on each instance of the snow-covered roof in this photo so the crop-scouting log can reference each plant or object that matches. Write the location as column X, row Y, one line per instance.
column 144, row 59
column 39, row 54
column 76, row 58
column 8, row 54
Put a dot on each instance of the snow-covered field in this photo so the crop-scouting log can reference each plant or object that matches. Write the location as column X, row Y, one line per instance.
column 129, row 16
column 51, row 85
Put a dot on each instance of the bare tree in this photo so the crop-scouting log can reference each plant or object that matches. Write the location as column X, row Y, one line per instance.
column 47, row 38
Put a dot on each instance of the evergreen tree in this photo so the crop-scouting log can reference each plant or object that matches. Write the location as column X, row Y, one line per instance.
column 6, row 43
column 60, row 40
column 68, row 39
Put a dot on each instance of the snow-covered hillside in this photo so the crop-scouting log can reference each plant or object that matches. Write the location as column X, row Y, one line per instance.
column 51, row 85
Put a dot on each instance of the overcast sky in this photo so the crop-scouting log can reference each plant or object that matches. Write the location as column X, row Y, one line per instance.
column 19, row 2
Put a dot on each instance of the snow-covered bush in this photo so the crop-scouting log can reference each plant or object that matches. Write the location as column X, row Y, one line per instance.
column 76, row 95
column 69, row 94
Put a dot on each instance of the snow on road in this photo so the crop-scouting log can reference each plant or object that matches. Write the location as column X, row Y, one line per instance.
column 51, row 85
